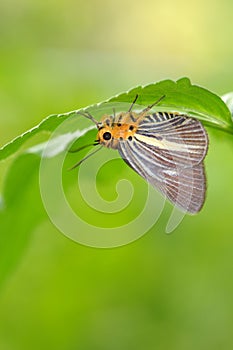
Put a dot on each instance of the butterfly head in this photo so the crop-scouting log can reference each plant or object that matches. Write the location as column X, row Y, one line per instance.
column 112, row 130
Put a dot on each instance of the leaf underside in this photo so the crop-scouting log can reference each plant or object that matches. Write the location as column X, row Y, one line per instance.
column 180, row 96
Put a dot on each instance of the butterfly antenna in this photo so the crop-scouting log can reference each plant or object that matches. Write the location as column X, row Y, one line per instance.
column 85, row 158
column 87, row 115
column 83, row 147
column 153, row 104
column 133, row 103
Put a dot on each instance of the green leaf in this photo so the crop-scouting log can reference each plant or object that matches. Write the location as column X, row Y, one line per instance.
column 48, row 125
column 21, row 208
column 21, row 211
column 183, row 97
column 180, row 96
column 21, row 189
column 228, row 99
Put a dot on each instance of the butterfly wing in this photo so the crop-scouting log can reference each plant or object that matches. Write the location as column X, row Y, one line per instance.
column 168, row 152
column 178, row 137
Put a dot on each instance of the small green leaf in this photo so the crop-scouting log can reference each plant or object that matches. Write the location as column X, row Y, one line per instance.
column 228, row 99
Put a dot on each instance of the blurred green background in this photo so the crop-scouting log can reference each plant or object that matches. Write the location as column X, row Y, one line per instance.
column 162, row 291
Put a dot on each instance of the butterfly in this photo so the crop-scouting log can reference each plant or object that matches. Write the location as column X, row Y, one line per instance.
column 166, row 149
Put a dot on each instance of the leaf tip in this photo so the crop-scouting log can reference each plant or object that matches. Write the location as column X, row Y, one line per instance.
column 184, row 82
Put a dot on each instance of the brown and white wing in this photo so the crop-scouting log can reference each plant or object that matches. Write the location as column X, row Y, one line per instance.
column 178, row 137
column 170, row 157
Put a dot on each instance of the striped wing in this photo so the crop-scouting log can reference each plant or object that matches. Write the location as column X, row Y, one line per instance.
column 168, row 151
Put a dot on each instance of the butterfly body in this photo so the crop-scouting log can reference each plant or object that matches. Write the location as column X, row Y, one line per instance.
column 166, row 149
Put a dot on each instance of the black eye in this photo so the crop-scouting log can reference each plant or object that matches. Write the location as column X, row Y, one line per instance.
column 131, row 127
column 107, row 136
